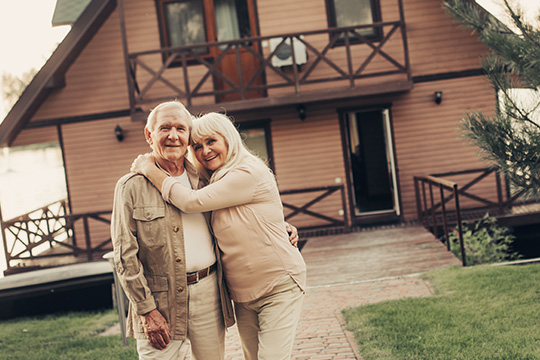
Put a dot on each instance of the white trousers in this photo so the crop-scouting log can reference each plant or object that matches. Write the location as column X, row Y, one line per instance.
column 267, row 325
column 206, row 328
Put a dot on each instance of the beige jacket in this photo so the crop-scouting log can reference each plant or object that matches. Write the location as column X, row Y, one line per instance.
column 149, row 255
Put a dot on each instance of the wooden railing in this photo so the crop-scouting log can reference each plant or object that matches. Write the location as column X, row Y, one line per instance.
column 193, row 72
column 319, row 193
column 49, row 232
column 439, row 201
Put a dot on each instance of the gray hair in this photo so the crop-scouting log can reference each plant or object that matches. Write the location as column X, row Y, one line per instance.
column 174, row 104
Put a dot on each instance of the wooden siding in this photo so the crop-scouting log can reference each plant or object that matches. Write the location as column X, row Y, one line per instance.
column 431, row 49
column 96, row 82
column 307, row 154
column 427, row 138
column 36, row 136
column 95, row 160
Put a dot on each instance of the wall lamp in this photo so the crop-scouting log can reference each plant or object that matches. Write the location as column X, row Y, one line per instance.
column 119, row 133
column 301, row 112
column 437, row 97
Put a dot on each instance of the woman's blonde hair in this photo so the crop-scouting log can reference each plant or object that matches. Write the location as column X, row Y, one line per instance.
column 237, row 152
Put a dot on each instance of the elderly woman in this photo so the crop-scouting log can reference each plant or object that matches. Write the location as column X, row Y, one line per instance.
column 265, row 274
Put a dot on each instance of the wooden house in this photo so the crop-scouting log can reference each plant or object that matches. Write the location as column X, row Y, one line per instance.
column 348, row 100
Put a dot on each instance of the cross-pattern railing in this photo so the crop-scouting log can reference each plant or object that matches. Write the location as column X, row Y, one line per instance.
column 439, row 201
column 186, row 62
column 50, row 232
column 319, row 194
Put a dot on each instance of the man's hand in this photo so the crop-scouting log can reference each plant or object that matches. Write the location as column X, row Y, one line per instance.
column 156, row 329
column 293, row 234
column 143, row 164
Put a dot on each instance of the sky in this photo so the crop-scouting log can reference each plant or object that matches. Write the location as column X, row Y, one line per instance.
column 27, row 37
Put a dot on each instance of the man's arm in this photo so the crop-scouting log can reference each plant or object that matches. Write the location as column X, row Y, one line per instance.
column 130, row 270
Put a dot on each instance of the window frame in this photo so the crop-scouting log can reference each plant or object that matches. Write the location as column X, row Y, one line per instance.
column 163, row 27
column 265, row 124
column 375, row 15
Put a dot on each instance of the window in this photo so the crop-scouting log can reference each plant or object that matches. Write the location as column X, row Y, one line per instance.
column 256, row 136
column 183, row 23
column 189, row 22
column 355, row 12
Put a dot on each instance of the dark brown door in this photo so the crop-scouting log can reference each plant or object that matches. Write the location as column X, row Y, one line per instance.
column 235, row 19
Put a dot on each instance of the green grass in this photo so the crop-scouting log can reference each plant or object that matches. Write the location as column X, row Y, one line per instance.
column 68, row 336
column 481, row 312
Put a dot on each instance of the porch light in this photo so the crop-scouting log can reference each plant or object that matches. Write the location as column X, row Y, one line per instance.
column 119, row 133
column 437, row 97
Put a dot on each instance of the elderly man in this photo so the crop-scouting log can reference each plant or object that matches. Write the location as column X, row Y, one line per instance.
column 165, row 259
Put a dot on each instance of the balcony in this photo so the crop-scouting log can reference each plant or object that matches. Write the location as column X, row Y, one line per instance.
column 251, row 73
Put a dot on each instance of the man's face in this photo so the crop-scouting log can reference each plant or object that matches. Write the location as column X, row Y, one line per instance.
column 169, row 135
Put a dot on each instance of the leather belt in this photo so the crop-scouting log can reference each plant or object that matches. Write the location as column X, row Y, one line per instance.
column 196, row 276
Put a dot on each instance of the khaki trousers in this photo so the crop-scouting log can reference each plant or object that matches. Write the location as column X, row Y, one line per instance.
column 206, row 327
column 267, row 325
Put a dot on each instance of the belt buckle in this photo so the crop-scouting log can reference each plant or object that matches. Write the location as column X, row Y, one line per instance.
column 196, row 277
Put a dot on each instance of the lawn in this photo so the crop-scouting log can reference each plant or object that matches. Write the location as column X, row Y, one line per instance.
column 480, row 312
column 67, row 336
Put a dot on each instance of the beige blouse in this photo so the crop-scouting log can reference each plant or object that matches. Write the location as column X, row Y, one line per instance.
column 249, row 226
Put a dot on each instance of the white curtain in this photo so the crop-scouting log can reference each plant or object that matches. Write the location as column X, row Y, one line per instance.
column 226, row 20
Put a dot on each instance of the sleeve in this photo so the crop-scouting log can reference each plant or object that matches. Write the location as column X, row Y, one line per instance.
column 235, row 188
column 129, row 269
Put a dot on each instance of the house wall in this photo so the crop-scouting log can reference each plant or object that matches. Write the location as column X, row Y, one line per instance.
column 427, row 136
column 308, row 153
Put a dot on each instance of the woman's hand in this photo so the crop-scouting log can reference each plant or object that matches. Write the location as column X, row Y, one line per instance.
column 143, row 164
column 293, row 234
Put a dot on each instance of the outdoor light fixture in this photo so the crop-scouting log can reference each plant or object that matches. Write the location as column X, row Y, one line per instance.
column 438, row 97
column 119, row 132
column 301, row 112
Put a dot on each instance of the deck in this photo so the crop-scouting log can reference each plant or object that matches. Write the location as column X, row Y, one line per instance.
column 373, row 254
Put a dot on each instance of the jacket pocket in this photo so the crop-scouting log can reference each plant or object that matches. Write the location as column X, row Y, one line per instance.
column 150, row 225
column 159, row 286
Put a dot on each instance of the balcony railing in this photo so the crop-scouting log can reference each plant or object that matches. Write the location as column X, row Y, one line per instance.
column 335, row 54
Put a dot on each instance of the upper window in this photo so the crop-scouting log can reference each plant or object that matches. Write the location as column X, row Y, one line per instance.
column 184, row 23
column 189, row 22
column 355, row 12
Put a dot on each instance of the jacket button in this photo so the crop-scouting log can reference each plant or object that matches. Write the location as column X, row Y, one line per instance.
column 175, row 228
column 178, row 259
column 180, row 289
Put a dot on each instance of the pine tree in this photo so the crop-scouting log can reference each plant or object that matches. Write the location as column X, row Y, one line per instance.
column 510, row 140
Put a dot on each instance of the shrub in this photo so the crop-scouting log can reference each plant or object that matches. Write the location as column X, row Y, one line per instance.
column 484, row 242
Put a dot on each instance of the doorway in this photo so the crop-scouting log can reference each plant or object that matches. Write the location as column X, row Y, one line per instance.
column 373, row 179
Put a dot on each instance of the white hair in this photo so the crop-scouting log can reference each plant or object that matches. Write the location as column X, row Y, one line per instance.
column 174, row 104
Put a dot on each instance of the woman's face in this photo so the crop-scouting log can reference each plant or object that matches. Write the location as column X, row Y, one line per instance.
column 211, row 151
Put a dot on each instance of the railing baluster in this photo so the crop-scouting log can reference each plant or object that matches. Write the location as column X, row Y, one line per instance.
column 460, row 230
column 433, row 218
column 445, row 223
